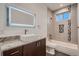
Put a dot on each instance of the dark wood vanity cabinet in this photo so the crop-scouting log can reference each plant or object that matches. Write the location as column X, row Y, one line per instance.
column 41, row 48
column 28, row 50
column 37, row 48
column 13, row 52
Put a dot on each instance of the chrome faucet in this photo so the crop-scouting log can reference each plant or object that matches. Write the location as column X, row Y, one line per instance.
column 25, row 31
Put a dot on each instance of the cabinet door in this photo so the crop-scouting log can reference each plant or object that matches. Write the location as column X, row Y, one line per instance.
column 41, row 48
column 37, row 48
column 13, row 52
column 28, row 50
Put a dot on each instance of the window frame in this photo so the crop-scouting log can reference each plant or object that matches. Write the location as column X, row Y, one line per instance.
column 63, row 16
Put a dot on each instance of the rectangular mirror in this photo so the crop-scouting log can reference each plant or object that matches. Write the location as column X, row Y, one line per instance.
column 18, row 17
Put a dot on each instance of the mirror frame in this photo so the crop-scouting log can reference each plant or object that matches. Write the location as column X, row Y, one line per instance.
column 20, row 10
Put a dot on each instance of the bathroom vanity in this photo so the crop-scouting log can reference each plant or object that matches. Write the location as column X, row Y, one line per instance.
column 36, row 48
column 21, row 47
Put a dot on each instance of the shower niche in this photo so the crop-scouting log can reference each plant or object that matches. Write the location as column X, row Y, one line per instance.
column 61, row 28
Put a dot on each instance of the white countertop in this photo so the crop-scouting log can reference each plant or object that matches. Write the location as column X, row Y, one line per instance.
column 15, row 43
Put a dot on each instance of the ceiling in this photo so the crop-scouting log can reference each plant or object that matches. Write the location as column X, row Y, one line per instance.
column 55, row 6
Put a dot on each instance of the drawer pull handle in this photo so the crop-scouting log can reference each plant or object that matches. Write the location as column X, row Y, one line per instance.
column 14, row 52
column 38, row 44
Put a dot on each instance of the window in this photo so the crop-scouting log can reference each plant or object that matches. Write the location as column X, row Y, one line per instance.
column 62, row 16
column 66, row 15
column 59, row 17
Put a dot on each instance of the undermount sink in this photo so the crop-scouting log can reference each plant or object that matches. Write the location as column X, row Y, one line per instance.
column 28, row 37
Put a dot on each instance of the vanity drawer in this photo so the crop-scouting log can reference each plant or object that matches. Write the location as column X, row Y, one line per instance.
column 13, row 52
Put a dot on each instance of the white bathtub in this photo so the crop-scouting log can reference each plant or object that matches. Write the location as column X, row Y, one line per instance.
column 67, row 48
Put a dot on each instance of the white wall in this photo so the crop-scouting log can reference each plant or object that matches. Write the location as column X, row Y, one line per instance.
column 74, row 36
column 50, row 27
column 41, row 20
column 78, row 23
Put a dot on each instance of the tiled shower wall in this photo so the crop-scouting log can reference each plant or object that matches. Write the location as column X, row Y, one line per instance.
column 64, row 36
